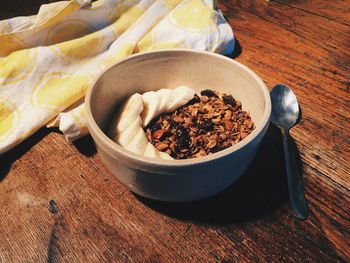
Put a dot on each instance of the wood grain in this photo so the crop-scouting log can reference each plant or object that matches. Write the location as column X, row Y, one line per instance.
column 338, row 10
column 303, row 60
column 60, row 204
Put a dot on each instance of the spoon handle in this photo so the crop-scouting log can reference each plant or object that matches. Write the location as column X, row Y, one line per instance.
column 295, row 183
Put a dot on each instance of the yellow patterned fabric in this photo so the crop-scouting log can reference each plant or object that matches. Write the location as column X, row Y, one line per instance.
column 47, row 61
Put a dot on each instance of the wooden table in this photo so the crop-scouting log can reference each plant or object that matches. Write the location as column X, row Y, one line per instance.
column 58, row 203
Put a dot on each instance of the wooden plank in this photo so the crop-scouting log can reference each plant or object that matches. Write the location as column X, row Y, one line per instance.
column 290, row 49
column 338, row 10
column 98, row 219
column 96, row 210
column 93, row 218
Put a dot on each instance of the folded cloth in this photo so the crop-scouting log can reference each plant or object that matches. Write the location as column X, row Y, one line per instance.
column 48, row 61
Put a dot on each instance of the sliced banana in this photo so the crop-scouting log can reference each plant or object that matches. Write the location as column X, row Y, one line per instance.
column 130, row 111
column 164, row 100
column 139, row 143
column 126, row 136
column 181, row 96
column 138, row 112
column 151, row 151
column 151, row 103
column 165, row 156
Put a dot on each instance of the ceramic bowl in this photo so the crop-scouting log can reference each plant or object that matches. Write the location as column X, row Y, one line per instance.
column 176, row 180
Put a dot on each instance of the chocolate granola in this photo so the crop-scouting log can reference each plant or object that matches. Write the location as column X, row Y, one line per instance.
column 207, row 124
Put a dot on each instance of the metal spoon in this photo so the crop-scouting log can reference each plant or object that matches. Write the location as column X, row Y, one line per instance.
column 285, row 114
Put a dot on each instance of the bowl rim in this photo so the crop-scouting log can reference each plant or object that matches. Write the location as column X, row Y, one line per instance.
column 112, row 147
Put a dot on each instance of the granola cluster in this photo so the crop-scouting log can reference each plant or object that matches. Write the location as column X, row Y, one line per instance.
column 207, row 124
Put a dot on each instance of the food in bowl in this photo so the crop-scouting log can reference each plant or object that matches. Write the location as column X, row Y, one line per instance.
column 209, row 123
column 138, row 111
column 185, row 179
column 180, row 124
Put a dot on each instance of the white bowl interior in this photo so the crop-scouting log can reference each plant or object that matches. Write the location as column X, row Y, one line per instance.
column 158, row 70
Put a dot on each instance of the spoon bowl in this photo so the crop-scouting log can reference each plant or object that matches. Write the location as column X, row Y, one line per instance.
column 285, row 108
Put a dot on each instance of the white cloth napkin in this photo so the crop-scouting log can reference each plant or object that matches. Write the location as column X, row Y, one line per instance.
column 48, row 61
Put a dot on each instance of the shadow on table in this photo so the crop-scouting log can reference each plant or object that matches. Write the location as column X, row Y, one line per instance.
column 258, row 192
column 12, row 155
column 86, row 146
column 237, row 50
